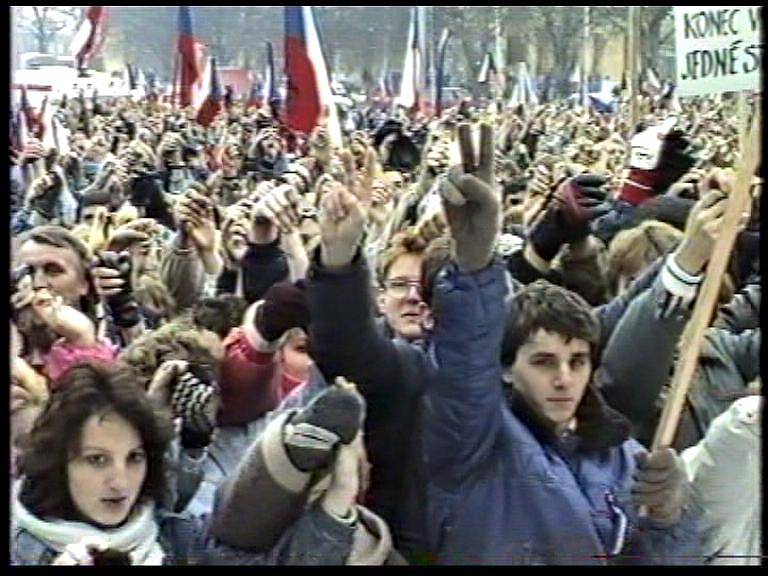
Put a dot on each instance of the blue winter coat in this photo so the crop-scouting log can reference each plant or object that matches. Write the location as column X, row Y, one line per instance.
column 501, row 491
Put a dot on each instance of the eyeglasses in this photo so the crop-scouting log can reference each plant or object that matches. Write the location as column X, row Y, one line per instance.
column 401, row 287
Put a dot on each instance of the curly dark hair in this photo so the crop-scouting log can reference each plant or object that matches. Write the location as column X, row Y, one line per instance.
column 88, row 388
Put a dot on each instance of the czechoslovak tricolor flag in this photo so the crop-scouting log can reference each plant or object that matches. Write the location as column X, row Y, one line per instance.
column 410, row 86
column 89, row 37
column 213, row 104
column 190, row 52
column 310, row 99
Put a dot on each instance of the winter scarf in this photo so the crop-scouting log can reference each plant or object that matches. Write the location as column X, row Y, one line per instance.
column 138, row 536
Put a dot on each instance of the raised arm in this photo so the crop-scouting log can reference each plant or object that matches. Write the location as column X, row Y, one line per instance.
column 640, row 354
column 464, row 405
column 345, row 339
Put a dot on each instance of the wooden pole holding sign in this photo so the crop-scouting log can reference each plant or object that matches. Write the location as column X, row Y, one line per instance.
column 738, row 202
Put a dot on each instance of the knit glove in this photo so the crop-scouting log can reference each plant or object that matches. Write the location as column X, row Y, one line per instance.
column 660, row 484
column 332, row 418
column 284, row 307
column 660, row 155
column 195, row 402
column 577, row 202
column 472, row 205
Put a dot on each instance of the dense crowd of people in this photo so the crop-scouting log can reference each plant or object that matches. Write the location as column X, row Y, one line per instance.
column 448, row 342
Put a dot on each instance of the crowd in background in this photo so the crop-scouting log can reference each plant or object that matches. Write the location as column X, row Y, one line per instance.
column 447, row 342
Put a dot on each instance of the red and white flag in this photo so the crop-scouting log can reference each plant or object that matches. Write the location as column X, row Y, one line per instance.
column 190, row 54
column 411, row 85
column 89, row 37
column 310, row 98
column 213, row 103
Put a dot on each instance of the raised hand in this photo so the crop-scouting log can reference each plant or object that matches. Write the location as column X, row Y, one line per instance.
column 65, row 320
column 281, row 206
column 331, row 419
column 701, row 232
column 195, row 215
column 349, row 479
column 343, row 214
column 660, row 484
column 161, row 387
column 577, row 201
column 472, row 206
column 196, row 402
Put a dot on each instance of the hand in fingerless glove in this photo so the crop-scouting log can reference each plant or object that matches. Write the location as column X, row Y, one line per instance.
column 194, row 401
column 313, row 434
column 577, row 202
column 284, row 307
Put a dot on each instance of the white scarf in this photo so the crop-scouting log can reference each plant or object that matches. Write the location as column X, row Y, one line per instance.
column 138, row 536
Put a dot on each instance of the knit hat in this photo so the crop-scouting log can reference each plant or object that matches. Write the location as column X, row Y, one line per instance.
column 659, row 156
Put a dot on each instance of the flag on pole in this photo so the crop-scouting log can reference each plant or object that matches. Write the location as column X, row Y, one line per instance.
column 271, row 95
column 89, row 36
column 530, row 96
column 190, row 52
column 385, row 89
column 131, row 76
column 410, row 86
column 19, row 129
column 30, row 118
column 203, row 87
column 575, row 76
column 487, row 70
column 669, row 100
column 46, row 131
column 39, row 131
column 523, row 92
column 440, row 72
column 257, row 89
column 310, row 99
column 650, row 83
column 213, row 103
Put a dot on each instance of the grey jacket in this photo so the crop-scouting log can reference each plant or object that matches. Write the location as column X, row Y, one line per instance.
column 267, row 494
column 640, row 356
column 182, row 272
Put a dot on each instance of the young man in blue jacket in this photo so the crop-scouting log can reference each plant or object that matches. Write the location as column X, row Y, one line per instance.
column 526, row 463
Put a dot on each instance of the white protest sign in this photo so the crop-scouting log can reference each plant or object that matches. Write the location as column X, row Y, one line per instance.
column 719, row 49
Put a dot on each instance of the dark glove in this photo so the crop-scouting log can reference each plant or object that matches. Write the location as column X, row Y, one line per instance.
column 284, row 307
column 195, row 401
column 577, row 202
column 661, row 485
column 471, row 203
column 313, row 434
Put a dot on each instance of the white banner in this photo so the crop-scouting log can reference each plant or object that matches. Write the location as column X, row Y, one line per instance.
column 719, row 49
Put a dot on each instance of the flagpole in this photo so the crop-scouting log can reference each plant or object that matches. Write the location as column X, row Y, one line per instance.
column 584, row 58
column 632, row 74
column 175, row 73
column 499, row 64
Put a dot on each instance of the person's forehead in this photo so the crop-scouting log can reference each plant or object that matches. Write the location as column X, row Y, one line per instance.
column 105, row 430
column 406, row 265
column 32, row 252
column 543, row 341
